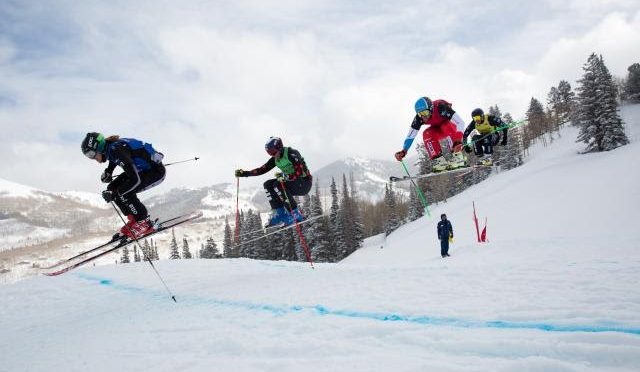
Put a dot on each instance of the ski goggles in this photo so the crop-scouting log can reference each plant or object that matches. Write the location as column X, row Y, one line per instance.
column 272, row 151
column 91, row 154
column 424, row 114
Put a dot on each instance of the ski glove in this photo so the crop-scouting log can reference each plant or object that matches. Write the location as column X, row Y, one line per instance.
column 467, row 149
column 108, row 196
column 280, row 177
column 401, row 154
column 241, row 173
column 106, row 177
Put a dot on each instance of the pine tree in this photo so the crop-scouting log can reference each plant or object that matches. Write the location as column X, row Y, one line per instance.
column 125, row 256
column 317, row 231
column 632, row 84
column 146, row 250
column 227, row 243
column 566, row 102
column 174, row 253
column 416, row 209
column 136, row 254
column 537, row 121
column 289, row 246
column 495, row 111
column 210, row 249
column 597, row 114
column 154, row 245
column 335, row 222
column 392, row 221
column 356, row 214
column 186, row 254
column 347, row 222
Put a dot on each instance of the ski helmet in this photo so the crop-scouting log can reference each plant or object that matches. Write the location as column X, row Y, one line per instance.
column 93, row 144
column 477, row 112
column 443, row 216
column 424, row 106
column 273, row 145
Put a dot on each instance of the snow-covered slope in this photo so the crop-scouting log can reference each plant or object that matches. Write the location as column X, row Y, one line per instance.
column 554, row 290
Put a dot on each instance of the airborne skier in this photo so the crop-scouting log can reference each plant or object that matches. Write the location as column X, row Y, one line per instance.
column 294, row 175
column 442, row 123
column 143, row 169
column 489, row 128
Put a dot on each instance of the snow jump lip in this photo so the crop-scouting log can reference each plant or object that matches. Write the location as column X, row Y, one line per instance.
column 321, row 310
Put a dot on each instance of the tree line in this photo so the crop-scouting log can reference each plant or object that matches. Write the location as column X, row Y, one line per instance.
column 339, row 229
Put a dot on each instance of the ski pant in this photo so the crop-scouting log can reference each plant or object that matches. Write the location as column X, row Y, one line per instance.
column 444, row 247
column 484, row 143
column 129, row 203
column 435, row 133
column 277, row 198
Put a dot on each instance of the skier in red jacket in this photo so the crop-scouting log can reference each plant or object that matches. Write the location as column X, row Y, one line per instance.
column 442, row 123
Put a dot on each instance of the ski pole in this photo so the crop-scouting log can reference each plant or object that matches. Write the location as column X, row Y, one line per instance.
column 148, row 258
column 422, row 198
column 507, row 126
column 237, row 209
column 181, row 161
column 302, row 240
column 168, row 164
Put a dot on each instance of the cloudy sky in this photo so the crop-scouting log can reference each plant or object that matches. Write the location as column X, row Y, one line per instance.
column 215, row 79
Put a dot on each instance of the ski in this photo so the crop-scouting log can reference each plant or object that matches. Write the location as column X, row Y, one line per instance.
column 116, row 238
column 280, row 229
column 428, row 175
column 164, row 225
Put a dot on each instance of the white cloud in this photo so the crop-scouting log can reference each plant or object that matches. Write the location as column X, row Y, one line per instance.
column 333, row 79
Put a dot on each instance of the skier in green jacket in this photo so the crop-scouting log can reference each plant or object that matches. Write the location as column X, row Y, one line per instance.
column 294, row 175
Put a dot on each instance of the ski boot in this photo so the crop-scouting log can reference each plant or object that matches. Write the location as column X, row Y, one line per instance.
column 279, row 216
column 297, row 215
column 123, row 230
column 458, row 160
column 141, row 228
column 439, row 164
column 485, row 162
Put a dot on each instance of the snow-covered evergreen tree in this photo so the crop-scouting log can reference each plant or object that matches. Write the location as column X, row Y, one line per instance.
column 210, row 249
column 186, row 253
column 317, row 231
column 632, row 84
column 174, row 254
column 335, row 220
column 537, row 121
column 227, row 243
column 125, row 255
column 392, row 221
column 347, row 217
column 146, row 250
column 136, row 254
column 416, row 209
column 154, row 250
column 288, row 244
column 356, row 213
column 566, row 102
column 495, row 111
column 597, row 112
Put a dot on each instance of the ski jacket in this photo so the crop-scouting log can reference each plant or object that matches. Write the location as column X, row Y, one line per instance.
column 490, row 124
column 133, row 156
column 445, row 230
column 442, row 113
column 291, row 164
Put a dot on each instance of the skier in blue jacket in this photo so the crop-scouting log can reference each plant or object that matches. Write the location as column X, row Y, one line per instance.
column 143, row 169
